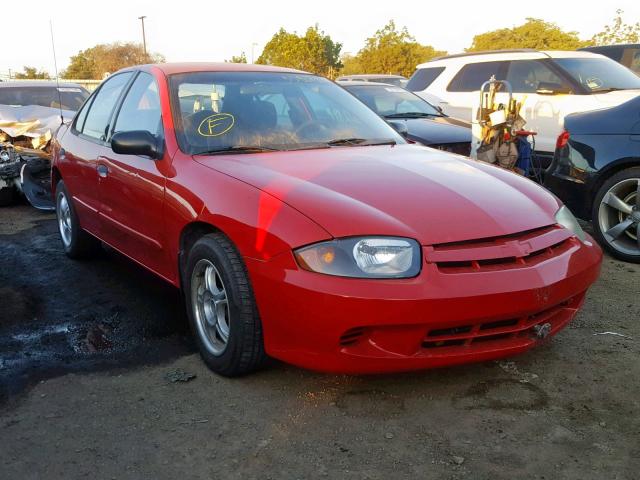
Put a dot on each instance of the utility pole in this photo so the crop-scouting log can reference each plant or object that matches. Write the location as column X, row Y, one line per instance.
column 254, row 44
column 144, row 38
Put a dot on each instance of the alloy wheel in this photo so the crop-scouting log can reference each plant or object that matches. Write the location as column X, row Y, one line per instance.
column 619, row 216
column 210, row 306
column 64, row 219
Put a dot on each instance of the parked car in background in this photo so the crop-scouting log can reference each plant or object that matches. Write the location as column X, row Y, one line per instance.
column 30, row 113
column 300, row 225
column 626, row 54
column 596, row 171
column 397, row 80
column 551, row 84
column 423, row 122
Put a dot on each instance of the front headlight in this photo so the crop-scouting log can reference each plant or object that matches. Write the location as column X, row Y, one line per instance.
column 565, row 218
column 363, row 257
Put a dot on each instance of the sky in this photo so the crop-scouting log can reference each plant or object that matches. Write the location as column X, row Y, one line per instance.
column 189, row 30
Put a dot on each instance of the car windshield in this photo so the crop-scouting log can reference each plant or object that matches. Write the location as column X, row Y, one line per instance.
column 599, row 74
column 253, row 111
column 67, row 98
column 393, row 102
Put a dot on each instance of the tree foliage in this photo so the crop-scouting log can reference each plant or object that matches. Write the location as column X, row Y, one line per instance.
column 618, row 32
column 98, row 61
column 32, row 73
column 242, row 58
column 534, row 33
column 389, row 51
column 314, row 52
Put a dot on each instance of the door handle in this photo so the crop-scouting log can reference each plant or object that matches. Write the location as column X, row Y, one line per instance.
column 103, row 171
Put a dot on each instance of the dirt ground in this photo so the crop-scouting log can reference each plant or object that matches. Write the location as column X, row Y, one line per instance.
column 92, row 354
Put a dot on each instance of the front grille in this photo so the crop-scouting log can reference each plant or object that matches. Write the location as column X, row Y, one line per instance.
column 482, row 334
column 518, row 250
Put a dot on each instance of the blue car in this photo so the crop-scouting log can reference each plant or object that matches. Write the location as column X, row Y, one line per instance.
column 413, row 117
column 596, row 172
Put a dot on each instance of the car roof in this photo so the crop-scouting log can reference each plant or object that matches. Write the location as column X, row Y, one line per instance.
column 372, row 75
column 607, row 47
column 38, row 83
column 188, row 67
column 360, row 83
column 516, row 54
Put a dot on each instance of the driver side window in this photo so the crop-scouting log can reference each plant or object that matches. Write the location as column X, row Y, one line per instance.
column 526, row 75
column 141, row 107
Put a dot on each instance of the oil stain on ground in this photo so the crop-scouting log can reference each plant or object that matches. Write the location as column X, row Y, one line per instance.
column 58, row 315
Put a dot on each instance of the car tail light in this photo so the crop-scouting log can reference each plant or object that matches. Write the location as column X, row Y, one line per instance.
column 563, row 139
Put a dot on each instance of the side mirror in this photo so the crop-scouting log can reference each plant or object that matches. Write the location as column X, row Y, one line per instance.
column 137, row 142
column 400, row 127
column 550, row 88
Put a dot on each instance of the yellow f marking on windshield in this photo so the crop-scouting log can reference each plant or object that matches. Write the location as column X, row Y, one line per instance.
column 216, row 124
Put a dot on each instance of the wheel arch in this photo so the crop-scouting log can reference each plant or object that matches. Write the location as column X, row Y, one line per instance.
column 608, row 171
column 189, row 235
column 56, row 176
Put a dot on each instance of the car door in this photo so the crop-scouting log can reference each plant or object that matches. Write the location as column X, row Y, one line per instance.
column 544, row 113
column 462, row 94
column 82, row 146
column 132, row 187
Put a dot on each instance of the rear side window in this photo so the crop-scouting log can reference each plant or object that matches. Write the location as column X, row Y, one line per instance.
column 471, row 77
column 97, row 121
column 82, row 115
column 423, row 77
column 141, row 107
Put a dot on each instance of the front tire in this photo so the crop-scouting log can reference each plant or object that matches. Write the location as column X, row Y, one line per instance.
column 221, row 307
column 616, row 215
column 76, row 242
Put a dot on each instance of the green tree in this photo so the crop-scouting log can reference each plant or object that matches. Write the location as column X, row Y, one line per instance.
column 534, row 33
column 242, row 58
column 390, row 51
column 102, row 59
column 314, row 52
column 618, row 32
column 32, row 73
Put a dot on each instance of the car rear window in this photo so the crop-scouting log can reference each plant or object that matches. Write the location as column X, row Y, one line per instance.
column 423, row 77
column 471, row 77
column 67, row 98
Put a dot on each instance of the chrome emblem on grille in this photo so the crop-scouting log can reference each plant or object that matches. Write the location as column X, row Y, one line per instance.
column 542, row 331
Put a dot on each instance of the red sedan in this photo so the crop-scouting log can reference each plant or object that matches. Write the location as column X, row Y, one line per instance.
column 301, row 226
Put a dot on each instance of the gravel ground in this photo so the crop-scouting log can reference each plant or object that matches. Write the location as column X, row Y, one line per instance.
column 99, row 379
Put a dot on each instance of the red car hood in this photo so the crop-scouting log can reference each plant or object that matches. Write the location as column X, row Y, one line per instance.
column 402, row 190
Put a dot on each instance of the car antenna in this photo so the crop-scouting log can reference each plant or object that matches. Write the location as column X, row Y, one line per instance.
column 55, row 66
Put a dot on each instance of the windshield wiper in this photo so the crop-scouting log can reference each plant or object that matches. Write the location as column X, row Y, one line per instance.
column 412, row 115
column 239, row 149
column 606, row 90
column 363, row 142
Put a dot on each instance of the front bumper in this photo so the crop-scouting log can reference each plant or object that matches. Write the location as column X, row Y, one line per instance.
column 452, row 313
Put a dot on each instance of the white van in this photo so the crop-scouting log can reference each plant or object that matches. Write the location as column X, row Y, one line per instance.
column 552, row 85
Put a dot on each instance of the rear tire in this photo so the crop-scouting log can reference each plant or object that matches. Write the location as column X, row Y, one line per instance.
column 616, row 215
column 6, row 196
column 221, row 307
column 76, row 242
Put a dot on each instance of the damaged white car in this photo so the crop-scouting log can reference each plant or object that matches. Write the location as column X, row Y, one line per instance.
column 30, row 113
